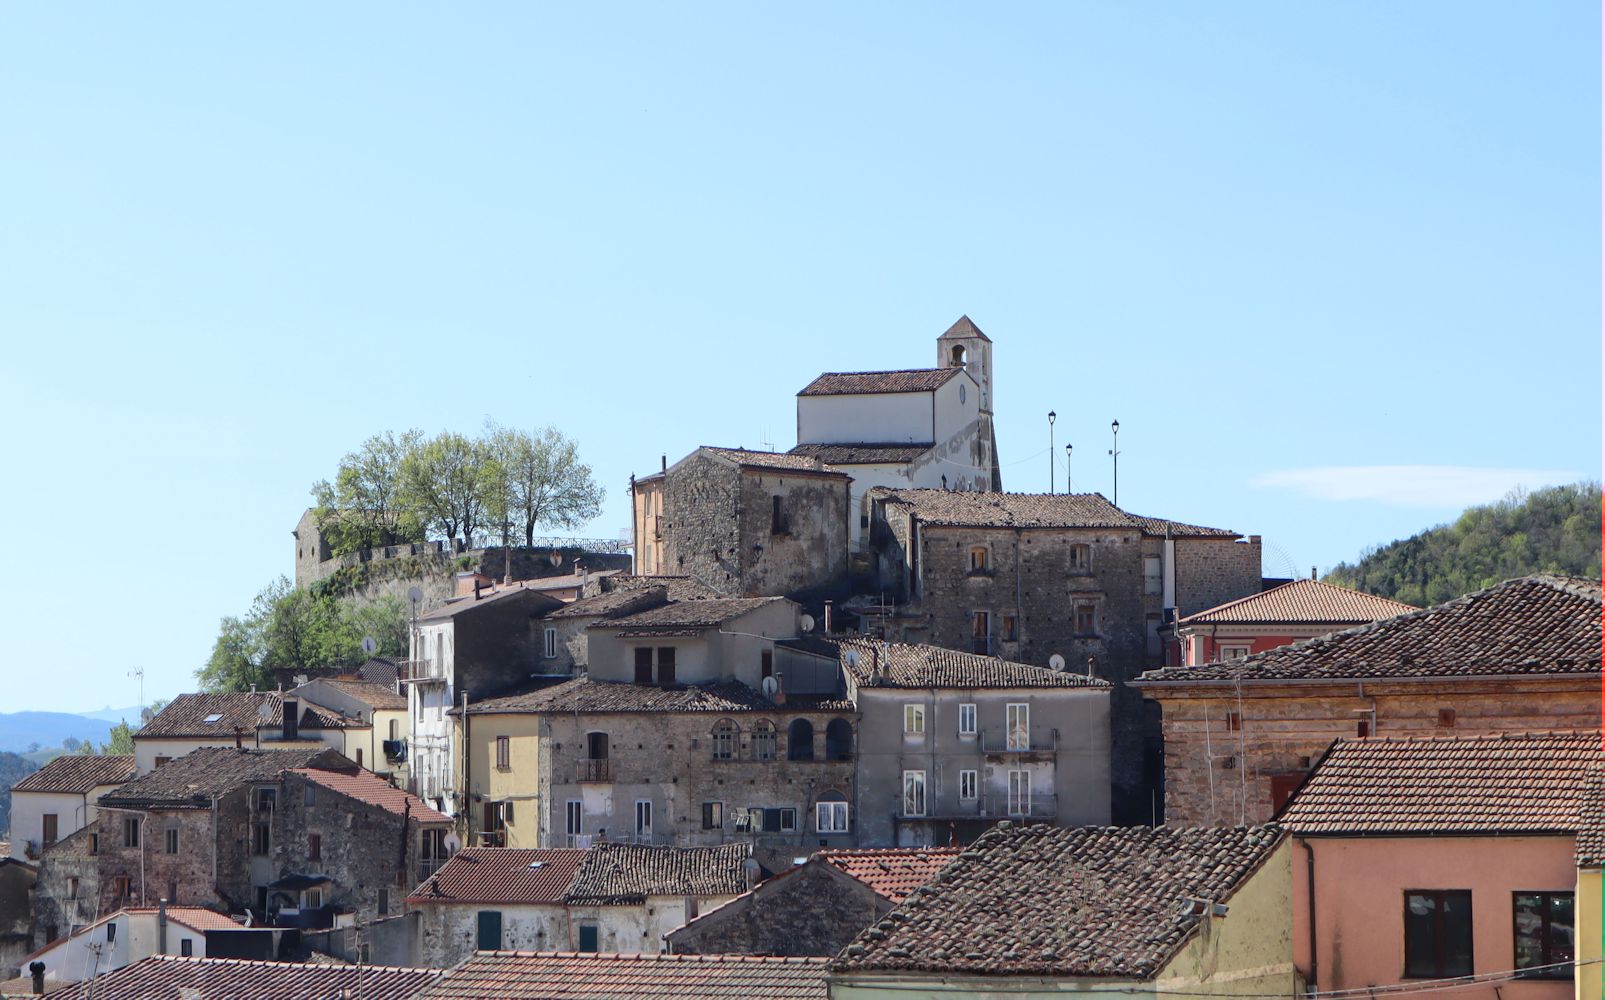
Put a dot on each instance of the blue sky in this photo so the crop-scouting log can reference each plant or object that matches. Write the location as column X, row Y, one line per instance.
column 1308, row 255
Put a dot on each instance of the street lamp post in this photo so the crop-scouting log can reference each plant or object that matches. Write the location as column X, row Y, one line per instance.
column 1068, row 488
column 1114, row 453
column 1051, row 418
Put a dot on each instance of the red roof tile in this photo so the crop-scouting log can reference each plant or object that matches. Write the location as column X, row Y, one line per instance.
column 1303, row 602
column 369, row 788
column 894, row 872
column 1591, row 835
column 168, row 977
column 515, row 975
column 1506, row 784
column 79, row 773
column 505, row 875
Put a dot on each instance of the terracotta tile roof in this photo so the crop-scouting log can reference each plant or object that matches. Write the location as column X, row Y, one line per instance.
column 1159, row 526
column 628, row 873
column 187, row 714
column 778, row 461
column 1591, row 833
column 370, row 789
column 1303, row 602
column 168, row 977
column 964, row 327
column 681, row 588
column 894, row 872
column 1055, row 901
column 969, row 509
column 1534, row 625
column 506, row 875
column 378, row 697
column 190, row 781
column 79, row 773
column 519, row 975
column 613, row 604
column 566, row 581
column 863, row 454
column 538, row 602
column 911, row 665
column 198, row 918
column 687, row 614
column 586, row 696
column 860, row 383
column 1500, row 784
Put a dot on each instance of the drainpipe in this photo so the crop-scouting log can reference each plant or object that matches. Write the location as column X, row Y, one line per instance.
column 161, row 926
column 1309, row 873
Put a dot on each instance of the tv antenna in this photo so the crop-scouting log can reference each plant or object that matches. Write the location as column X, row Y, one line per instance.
column 139, row 672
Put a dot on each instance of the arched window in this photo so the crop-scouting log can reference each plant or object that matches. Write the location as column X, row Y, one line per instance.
column 763, row 740
column 800, row 740
column 839, row 740
column 979, row 563
column 830, row 813
column 725, row 739
column 958, row 355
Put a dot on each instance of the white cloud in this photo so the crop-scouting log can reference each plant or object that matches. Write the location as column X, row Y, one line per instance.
column 1411, row 485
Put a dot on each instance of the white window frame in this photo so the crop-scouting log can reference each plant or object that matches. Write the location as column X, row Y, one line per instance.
column 915, row 801
column 549, row 645
column 643, row 811
column 1019, row 792
column 574, row 817
column 830, row 817
column 967, row 716
column 913, row 720
column 1017, row 729
column 1236, row 652
column 968, row 785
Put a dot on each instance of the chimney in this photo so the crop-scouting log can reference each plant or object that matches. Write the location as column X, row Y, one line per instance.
column 239, row 738
column 827, row 617
column 161, row 926
column 477, row 584
column 1092, row 666
column 1312, row 572
column 292, row 720
column 665, row 467
column 37, row 969
column 780, row 688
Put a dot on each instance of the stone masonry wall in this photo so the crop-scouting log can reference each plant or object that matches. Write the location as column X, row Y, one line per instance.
column 1212, row 571
column 701, row 537
column 54, row 905
column 183, row 878
column 810, row 557
column 1217, row 775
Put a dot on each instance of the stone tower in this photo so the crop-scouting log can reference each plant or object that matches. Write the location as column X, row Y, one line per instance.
column 965, row 346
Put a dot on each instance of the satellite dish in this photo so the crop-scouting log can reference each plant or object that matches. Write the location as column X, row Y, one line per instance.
column 414, row 594
column 452, row 843
column 1056, row 661
column 368, row 645
column 851, row 658
column 556, row 558
column 807, row 623
column 770, row 686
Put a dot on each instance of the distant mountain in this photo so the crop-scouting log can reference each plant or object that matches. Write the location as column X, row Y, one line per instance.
column 114, row 715
column 1552, row 530
column 20, row 730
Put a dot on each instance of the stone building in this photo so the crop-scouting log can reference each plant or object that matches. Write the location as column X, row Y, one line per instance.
column 1031, row 577
column 815, row 908
column 375, row 717
column 1522, row 656
column 951, row 742
column 745, row 523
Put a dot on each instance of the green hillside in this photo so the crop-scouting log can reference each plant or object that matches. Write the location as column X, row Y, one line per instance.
column 1552, row 530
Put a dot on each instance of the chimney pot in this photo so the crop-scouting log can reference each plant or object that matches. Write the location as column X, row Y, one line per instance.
column 1312, row 572
column 665, row 463
column 37, row 970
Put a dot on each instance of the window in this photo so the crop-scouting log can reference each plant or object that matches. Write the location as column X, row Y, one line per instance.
column 549, row 644
column 589, row 937
column 1019, row 726
column 978, row 559
column 130, row 831
column 1233, row 652
column 262, row 840
column 1446, row 718
column 1437, row 933
column 967, row 785
column 162, row 760
column 777, row 517
column 1019, row 793
column 314, row 847
column 51, row 933
column 574, row 818
column 914, row 720
column 384, row 902
column 1080, row 558
column 766, row 663
column 309, row 796
column 839, row 740
column 665, row 665
column 1086, row 618
column 981, row 633
column 395, row 730
column 913, row 793
column 489, row 936
column 596, row 745
column 186, row 947
column 725, row 739
column 120, row 887
column 49, row 835
column 830, row 813
column 111, row 932
column 172, row 840
column 312, row 899
column 266, row 799
column 72, row 887
column 643, row 665
column 359, row 756
column 1009, row 632
column 967, row 719
column 1545, row 934
column 763, row 740
column 94, row 843
column 213, row 719
column 768, row 819
column 504, row 753
column 1153, row 577
column 1234, row 722
column 800, row 740
column 713, row 815
column 643, row 821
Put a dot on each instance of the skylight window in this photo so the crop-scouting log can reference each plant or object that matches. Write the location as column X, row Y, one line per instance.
column 214, row 717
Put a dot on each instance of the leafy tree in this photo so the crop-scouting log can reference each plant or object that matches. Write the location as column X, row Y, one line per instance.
column 538, row 479
column 71, row 744
column 365, row 506
column 447, row 482
column 122, row 739
column 1552, row 530
column 85, row 749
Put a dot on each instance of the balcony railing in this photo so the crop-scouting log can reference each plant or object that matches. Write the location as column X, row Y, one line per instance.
column 991, row 807
column 998, row 741
column 421, row 672
column 580, row 839
column 593, row 770
column 428, row 866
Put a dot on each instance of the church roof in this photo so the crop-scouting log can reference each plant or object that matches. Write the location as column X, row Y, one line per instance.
column 965, row 327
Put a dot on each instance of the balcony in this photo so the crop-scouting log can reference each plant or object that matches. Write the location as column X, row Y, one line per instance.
column 998, row 743
column 421, row 672
column 428, row 866
column 593, row 770
column 991, row 808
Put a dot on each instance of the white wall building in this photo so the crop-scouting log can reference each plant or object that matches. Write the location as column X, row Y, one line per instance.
column 58, row 800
